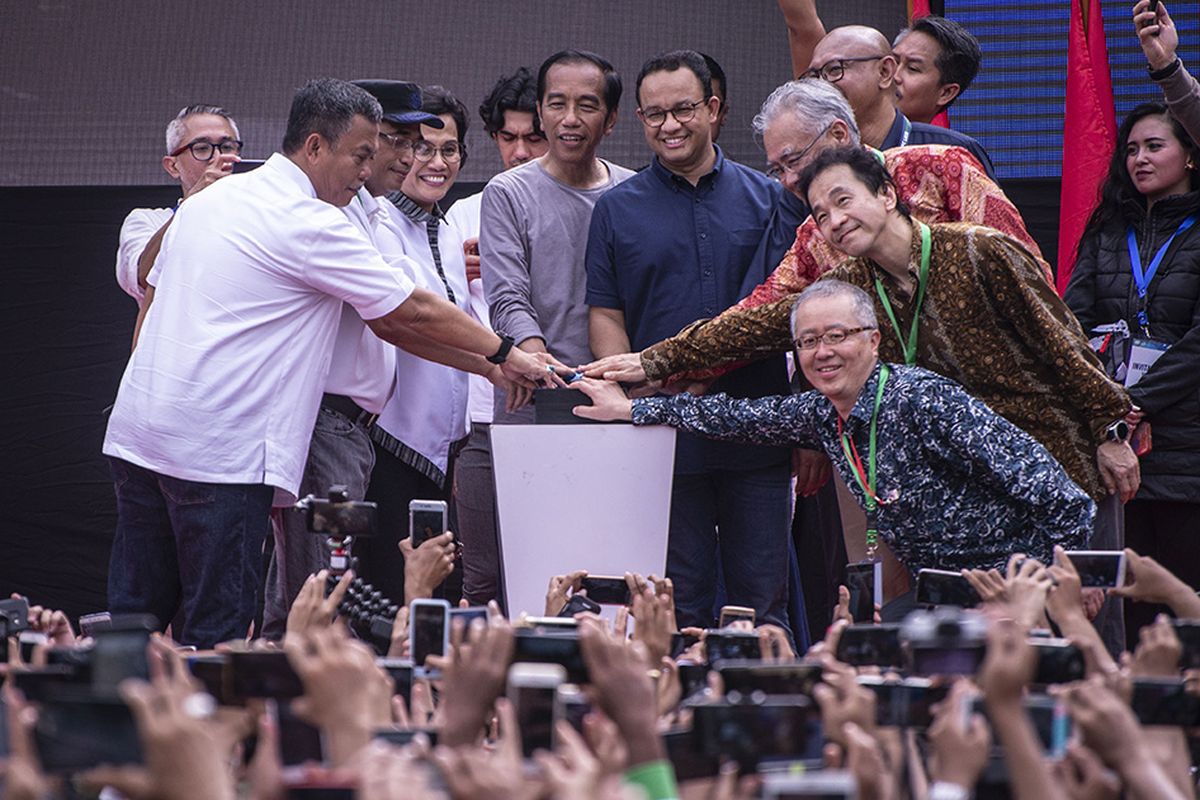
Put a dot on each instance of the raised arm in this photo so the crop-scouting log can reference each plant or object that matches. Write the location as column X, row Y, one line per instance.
column 804, row 30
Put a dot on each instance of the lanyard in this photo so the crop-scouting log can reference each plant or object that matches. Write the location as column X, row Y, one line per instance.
column 866, row 478
column 1142, row 279
column 910, row 346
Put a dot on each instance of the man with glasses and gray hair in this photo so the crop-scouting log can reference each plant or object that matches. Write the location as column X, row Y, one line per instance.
column 203, row 144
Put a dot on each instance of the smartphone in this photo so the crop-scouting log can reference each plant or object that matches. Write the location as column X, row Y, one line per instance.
column 570, row 706
column 76, row 735
column 263, row 673
column 864, row 579
column 748, row 677
column 429, row 633
column 1051, row 721
column 1188, row 631
column 400, row 670
column 468, row 615
column 693, row 676
column 426, row 519
column 607, row 590
column 299, row 741
column 681, row 642
column 14, row 617
column 686, row 759
column 904, row 704
column 1099, row 569
column 247, row 165
column 722, row 644
column 91, row 624
column 531, row 690
column 579, row 604
column 28, row 641
column 552, row 647
column 826, row 784
column 731, row 614
column 216, row 676
column 871, row 645
column 778, row 727
column 120, row 653
column 1164, row 701
column 550, row 623
column 939, row 587
column 1058, row 661
column 401, row 738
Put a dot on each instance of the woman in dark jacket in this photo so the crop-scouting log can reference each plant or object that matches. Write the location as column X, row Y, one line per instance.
column 1139, row 262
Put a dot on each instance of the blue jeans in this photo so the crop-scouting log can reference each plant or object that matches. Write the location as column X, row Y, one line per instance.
column 752, row 511
column 190, row 544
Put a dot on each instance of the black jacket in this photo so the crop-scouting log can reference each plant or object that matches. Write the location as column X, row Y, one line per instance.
column 1102, row 290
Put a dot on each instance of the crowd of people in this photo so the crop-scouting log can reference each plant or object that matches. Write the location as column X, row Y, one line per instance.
column 860, row 343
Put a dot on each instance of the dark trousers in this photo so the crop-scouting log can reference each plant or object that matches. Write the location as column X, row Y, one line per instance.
column 821, row 552
column 475, row 510
column 1169, row 532
column 393, row 485
column 751, row 511
column 190, row 545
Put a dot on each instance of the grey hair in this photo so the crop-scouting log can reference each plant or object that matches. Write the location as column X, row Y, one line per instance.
column 175, row 127
column 864, row 309
column 817, row 103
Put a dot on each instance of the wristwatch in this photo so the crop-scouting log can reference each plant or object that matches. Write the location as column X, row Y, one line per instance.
column 501, row 355
column 1117, row 432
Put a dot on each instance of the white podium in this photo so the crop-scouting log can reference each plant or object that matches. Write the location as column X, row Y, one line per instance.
column 568, row 497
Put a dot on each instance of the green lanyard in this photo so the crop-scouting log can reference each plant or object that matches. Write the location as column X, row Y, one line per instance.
column 910, row 346
column 866, row 478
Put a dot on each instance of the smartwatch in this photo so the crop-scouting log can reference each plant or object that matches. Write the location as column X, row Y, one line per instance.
column 1117, row 432
column 501, row 355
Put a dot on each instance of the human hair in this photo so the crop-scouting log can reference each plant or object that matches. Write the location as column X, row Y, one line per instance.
column 864, row 308
column 612, row 81
column 669, row 62
column 516, row 92
column 718, row 77
column 327, row 106
column 817, row 103
column 438, row 100
column 1118, row 186
column 866, row 165
column 959, row 53
column 175, row 128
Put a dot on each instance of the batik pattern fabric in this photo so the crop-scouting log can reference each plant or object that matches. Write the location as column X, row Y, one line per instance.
column 959, row 485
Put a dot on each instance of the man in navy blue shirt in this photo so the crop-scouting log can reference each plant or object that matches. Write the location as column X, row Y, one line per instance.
column 860, row 63
column 675, row 243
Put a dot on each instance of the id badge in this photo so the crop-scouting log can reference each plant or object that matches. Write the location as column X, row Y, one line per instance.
column 1142, row 355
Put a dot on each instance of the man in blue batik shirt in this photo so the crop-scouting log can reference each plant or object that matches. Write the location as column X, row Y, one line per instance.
column 956, row 486
column 684, row 239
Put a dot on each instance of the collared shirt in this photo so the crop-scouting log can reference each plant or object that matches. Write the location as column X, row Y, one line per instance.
column 427, row 412
column 234, row 353
column 463, row 217
column 137, row 229
column 961, row 487
column 666, row 252
column 906, row 133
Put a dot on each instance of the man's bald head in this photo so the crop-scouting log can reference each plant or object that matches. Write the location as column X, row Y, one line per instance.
column 866, row 40
column 858, row 60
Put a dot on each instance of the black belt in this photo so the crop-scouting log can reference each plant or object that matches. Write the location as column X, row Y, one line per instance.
column 341, row 404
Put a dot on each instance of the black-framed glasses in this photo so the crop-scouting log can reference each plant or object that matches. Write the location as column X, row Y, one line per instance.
column 203, row 149
column 791, row 162
column 830, row 338
column 835, row 70
column 656, row 117
column 425, row 151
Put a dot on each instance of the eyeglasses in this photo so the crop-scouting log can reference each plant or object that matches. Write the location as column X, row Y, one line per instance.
column 791, row 162
column 424, row 151
column 830, row 338
column 396, row 140
column 684, row 112
column 202, row 149
column 834, row 71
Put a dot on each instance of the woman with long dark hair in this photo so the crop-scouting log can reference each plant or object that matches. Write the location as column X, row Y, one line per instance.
column 1139, row 264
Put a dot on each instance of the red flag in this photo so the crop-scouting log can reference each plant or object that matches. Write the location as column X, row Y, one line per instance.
column 1089, row 130
column 916, row 10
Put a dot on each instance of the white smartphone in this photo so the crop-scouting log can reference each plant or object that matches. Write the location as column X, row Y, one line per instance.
column 531, row 690
column 825, row 784
column 428, row 633
column 731, row 614
column 426, row 519
column 570, row 705
column 1099, row 569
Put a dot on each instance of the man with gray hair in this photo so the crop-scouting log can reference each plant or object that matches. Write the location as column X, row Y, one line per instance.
column 951, row 484
column 216, row 408
column 203, row 144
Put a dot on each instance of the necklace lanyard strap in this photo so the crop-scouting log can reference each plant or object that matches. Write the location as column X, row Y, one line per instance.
column 909, row 345
column 1142, row 277
column 866, row 478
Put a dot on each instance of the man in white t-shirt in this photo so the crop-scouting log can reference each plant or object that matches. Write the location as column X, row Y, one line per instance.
column 509, row 114
column 216, row 408
column 203, row 144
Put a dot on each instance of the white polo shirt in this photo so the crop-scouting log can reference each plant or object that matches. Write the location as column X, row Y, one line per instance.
column 463, row 217
column 233, row 355
column 137, row 229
